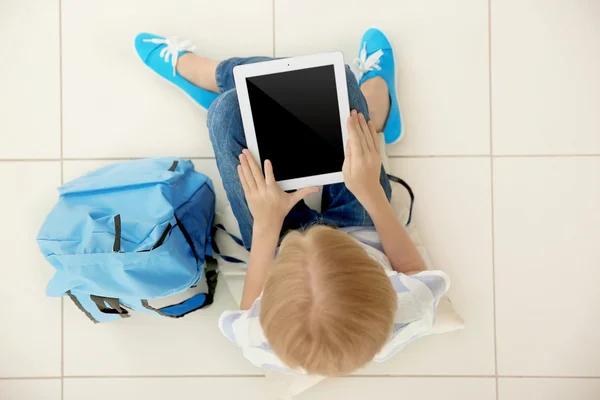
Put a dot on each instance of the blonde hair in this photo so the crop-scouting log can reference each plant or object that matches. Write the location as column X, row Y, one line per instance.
column 327, row 306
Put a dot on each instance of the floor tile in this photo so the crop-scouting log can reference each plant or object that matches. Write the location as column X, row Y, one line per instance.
column 148, row 345
column 178, row 347
column 548, row 389
column 390, row 388
column 546, row 246
column 30, row 80
column 30, row 389
column 162, row 388
column 114, row 106
column 30, row 333
column 453, row 214
column 545, row 86
column 442, row 55
column 255, row 388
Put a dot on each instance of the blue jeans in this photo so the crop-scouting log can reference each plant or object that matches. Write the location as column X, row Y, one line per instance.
column 339, row 207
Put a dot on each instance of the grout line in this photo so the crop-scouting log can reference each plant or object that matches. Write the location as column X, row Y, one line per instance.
column 61, row 160
column 217, row 376
column 543, row 155
column 32, row 378
column 29, row 159
column 440, row 156
column 62, row 179
column 419, row 376
column 391, row 376
column 493, row 156
column 494, row 320
column 132, row 158
column 546, row 377
column 490, row 74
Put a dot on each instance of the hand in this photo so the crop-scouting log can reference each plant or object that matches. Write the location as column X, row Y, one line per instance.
column 362, row 165
column 267, row 202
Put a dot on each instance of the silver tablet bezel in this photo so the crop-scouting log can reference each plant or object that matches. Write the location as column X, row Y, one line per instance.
column 241, row 72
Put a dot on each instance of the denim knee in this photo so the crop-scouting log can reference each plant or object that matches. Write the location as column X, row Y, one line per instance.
column 355, row 96
column 224, row 117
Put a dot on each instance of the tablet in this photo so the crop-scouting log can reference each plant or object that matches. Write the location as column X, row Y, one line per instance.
column 294, row 113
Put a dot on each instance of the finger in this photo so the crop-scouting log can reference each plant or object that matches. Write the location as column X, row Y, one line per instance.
column 250, row 182
column 242, row 179
column 347, row 160
column 366, row 132
column 348, row 151
column 256, row 172
column 353, row 140
column 375, row 135
column 359, row 133
column 303, row 193
column 269, row 176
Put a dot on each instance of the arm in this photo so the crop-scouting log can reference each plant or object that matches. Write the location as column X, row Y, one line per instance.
column 264, row 244
column 269, row 205
column 397, row 244
column 362, row 167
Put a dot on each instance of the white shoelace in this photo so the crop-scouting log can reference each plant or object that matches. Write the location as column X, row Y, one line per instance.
column 363, row 64
column 172, row 49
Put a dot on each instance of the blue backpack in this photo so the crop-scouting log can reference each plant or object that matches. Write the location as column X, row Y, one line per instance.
column 129, row 233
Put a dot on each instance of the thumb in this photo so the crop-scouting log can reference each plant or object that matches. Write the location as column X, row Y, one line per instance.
column 303, row 193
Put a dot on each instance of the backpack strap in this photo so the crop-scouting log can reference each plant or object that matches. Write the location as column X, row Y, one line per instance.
column 219, row 227
column 109, row 305
column 117, row 242
column 410, row 193
column 75, row 300
column 97, row 309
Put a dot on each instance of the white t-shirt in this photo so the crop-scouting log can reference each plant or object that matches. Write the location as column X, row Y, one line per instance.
column 418, row 297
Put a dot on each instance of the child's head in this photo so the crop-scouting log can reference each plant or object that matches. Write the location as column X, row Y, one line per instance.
column 327, row 306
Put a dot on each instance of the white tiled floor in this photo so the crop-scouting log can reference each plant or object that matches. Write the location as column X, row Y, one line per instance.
column 502, row 148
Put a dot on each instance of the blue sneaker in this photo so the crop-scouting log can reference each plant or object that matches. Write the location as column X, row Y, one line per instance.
column 376, row 58
column 161, row 55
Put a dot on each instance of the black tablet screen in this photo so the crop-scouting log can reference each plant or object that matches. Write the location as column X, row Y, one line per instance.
column 297, row 121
